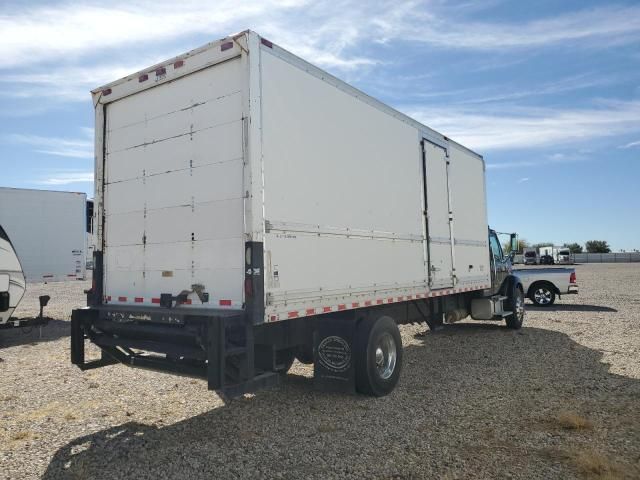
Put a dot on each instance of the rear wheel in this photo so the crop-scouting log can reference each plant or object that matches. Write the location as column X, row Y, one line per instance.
column 543, row 295
column 515, row 304
column 304, row 354
column 378, row 356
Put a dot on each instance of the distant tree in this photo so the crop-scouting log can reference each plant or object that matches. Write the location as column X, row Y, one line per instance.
column 597, row 246
column 573, row 247
column 522, row 244
column 542, row 244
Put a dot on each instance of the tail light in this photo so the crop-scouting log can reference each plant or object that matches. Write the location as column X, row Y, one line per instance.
column 248, row 287
column 572, row 278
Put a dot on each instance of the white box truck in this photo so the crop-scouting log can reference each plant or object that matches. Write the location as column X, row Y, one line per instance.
column 251, row 208
column 47, row 229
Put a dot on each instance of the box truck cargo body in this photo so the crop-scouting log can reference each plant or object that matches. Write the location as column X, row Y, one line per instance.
column 238, row 181
column 47, row 229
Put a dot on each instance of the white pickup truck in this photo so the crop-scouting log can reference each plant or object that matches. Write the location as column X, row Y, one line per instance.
column 541, row 285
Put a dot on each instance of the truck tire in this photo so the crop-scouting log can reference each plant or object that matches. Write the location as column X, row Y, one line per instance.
column 378, row 356
column 304, row 354
column 515, row 304
column 542, row 294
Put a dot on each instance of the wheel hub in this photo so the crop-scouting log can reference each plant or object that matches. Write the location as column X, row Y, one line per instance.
column 542, row 296
column 386, row 356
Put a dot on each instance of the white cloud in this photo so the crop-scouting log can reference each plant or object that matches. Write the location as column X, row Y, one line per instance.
column 61, row 147
column 599, row 26
column 631, row 144
column 66, row 178
column 319, row 31
column 523, row 179
column 510, row 128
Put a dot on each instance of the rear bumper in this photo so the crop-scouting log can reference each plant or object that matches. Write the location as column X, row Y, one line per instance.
column 572, row 290
column 214, row 345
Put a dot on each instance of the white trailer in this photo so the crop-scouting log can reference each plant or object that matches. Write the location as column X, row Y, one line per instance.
column 47, row 229
column 238, row 184
column 12, row 282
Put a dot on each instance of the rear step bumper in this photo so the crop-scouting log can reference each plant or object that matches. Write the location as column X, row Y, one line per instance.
column 217, row 346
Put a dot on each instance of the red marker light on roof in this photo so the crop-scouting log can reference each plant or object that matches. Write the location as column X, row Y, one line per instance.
column 226, row 46
column 266, row 42
column 106, row 91
column 143, row 78
column 178, row 63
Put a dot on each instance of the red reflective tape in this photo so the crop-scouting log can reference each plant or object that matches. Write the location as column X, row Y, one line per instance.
column 138, row 300
column 122, row 299
column 367, row 303
column 155, row 300
column 226, row 46
column 178, row 63
column 389, row 300
column 400, row 299
column 380, row 301
column 292, row 314
column 326, row 309
column 71, row 274
column 273, row 318
column 310, row 311
column 143, row 78
column 47, row 276
column 355, row 305
column 187, row 301
column 342, row 306
column 409, row 297
column 266, row 43
column 161, row 71
column 226, row 303
column 109, row 298
column 106, row 91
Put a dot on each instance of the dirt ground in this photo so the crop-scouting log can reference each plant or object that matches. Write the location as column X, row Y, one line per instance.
column 558, row 399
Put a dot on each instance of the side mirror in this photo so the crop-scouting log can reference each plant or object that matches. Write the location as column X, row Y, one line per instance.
column 513, row 240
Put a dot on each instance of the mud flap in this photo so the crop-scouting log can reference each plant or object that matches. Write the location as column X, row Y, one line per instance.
column 334, row 356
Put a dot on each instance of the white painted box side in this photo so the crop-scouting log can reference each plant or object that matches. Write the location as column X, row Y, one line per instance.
column 469, row 207
column 343, row 193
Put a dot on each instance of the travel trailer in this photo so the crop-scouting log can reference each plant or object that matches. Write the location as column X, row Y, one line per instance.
column 12, row 281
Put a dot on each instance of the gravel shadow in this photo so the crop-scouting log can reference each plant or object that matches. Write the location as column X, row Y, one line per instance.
column 478, row 387
column 571, row 307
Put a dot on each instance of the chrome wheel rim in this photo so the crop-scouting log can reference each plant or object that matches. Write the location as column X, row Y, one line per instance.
column 386, row 356
column 542, row 296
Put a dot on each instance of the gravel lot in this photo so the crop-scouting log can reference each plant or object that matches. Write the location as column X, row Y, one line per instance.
column 558, row 399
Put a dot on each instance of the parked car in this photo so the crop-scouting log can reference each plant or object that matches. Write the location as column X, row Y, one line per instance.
column 530, row 257
column 543, row 284
column 546, row 260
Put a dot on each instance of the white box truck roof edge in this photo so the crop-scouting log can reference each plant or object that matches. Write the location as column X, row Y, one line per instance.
column 98, row 96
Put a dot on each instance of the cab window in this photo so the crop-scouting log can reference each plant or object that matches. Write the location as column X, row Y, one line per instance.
column 496, row 249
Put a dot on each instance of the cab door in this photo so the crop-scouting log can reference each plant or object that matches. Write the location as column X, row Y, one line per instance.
column 499, row 263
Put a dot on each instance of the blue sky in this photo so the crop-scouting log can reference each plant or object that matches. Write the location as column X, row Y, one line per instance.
column 548, row 92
